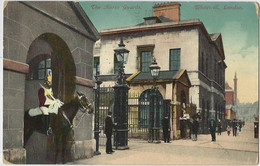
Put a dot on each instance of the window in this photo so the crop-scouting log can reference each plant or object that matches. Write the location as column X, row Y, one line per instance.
column 96, row 67
column 175, row 59
column 145, row 61
column 151, row 20
column 116, row 65
column 38, row 67
column 144, row 58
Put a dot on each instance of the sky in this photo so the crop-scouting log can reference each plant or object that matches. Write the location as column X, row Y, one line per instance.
column 236, row 21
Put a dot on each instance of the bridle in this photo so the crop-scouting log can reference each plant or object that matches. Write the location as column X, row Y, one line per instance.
column 82, row 108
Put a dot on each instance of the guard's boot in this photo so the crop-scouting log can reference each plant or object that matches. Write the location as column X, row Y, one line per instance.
column 47, row 128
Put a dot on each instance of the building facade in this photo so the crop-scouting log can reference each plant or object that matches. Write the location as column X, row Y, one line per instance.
column 173, row 101
column 176, row 44
column 230, row 112
column 40, row 36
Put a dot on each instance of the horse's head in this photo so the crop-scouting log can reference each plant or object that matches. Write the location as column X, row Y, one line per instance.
column 84, row 103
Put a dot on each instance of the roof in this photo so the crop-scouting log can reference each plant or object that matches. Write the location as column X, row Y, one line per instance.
column 151, row 26
column 77, row 21
column 165, row 25
column 164, row 76
column 89, row 26
column 217, row 38
column 161, row 18
column 227, row 87
column 214, row 36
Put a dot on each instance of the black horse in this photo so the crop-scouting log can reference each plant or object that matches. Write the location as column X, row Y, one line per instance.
column 61, row 124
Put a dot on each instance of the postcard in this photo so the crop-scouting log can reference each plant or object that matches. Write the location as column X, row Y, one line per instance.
column 130, row 82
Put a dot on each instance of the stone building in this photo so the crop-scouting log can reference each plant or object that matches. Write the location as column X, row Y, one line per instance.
column 230, row 112
column 61, row 36
column 176, row 44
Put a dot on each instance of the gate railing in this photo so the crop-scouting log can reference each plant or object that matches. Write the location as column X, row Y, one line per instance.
column 135, row 130
column 106, row 103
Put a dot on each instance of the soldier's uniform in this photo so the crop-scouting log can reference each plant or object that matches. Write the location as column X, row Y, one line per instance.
column 47, row 103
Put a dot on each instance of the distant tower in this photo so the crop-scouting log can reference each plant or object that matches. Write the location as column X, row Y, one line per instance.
column 235, row 89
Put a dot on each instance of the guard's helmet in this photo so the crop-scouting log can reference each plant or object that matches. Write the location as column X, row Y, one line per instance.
column 48, row 77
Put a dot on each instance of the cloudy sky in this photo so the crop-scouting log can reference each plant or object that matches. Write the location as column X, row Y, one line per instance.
column 236, row 21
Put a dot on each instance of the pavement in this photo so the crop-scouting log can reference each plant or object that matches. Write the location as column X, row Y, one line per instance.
column 227, row 150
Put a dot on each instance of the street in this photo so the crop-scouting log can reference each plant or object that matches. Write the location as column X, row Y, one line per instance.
column 227, row 150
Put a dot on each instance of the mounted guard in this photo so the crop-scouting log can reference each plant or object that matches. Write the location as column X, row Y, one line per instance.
column 47, row 103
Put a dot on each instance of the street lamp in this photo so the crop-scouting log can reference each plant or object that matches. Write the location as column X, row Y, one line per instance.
column 121, row 100
column 122, row 56
column 154, row 129
column 155, row 69
column 96, row 127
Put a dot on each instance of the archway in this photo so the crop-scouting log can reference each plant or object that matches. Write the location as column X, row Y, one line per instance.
column 48, row 51
column 144, row 109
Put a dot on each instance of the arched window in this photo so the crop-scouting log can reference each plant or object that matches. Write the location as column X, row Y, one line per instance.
column 144, row 109
column 38, row 67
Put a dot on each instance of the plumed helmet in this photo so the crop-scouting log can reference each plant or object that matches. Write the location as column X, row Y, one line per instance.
column 48, row 77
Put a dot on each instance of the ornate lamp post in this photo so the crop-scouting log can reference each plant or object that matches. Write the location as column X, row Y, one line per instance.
column 154, row 129
column 121, row 100
column 96, row 127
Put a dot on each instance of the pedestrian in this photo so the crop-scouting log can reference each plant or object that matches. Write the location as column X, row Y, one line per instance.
column 212, row 129
column 228, row 130
column 234, row 127
column 108, row 132
column 166, row 129
column 219, row 127
column 195, row 129
column 240, row 125
column 238, row 129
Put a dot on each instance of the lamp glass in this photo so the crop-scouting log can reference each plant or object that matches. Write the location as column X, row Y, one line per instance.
column 155, row 72
column 126, row 56
column 122, row 54
column 119, row 57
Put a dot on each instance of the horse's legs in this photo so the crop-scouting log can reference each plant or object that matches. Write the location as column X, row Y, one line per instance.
column 57, row 148
column 27, row 133
column 63, row 159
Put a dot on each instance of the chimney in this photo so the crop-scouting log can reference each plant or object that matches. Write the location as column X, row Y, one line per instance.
column 169, row 10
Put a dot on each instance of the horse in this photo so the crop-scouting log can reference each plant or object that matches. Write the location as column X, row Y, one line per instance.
column 61, row 124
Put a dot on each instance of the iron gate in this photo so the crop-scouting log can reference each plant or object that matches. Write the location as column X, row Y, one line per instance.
column 138, row 112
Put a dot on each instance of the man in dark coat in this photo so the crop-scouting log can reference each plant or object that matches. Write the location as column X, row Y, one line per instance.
column 108, row 132
column 166, row 129
column 212, row 129
column 234, row 127
column 195, row 128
